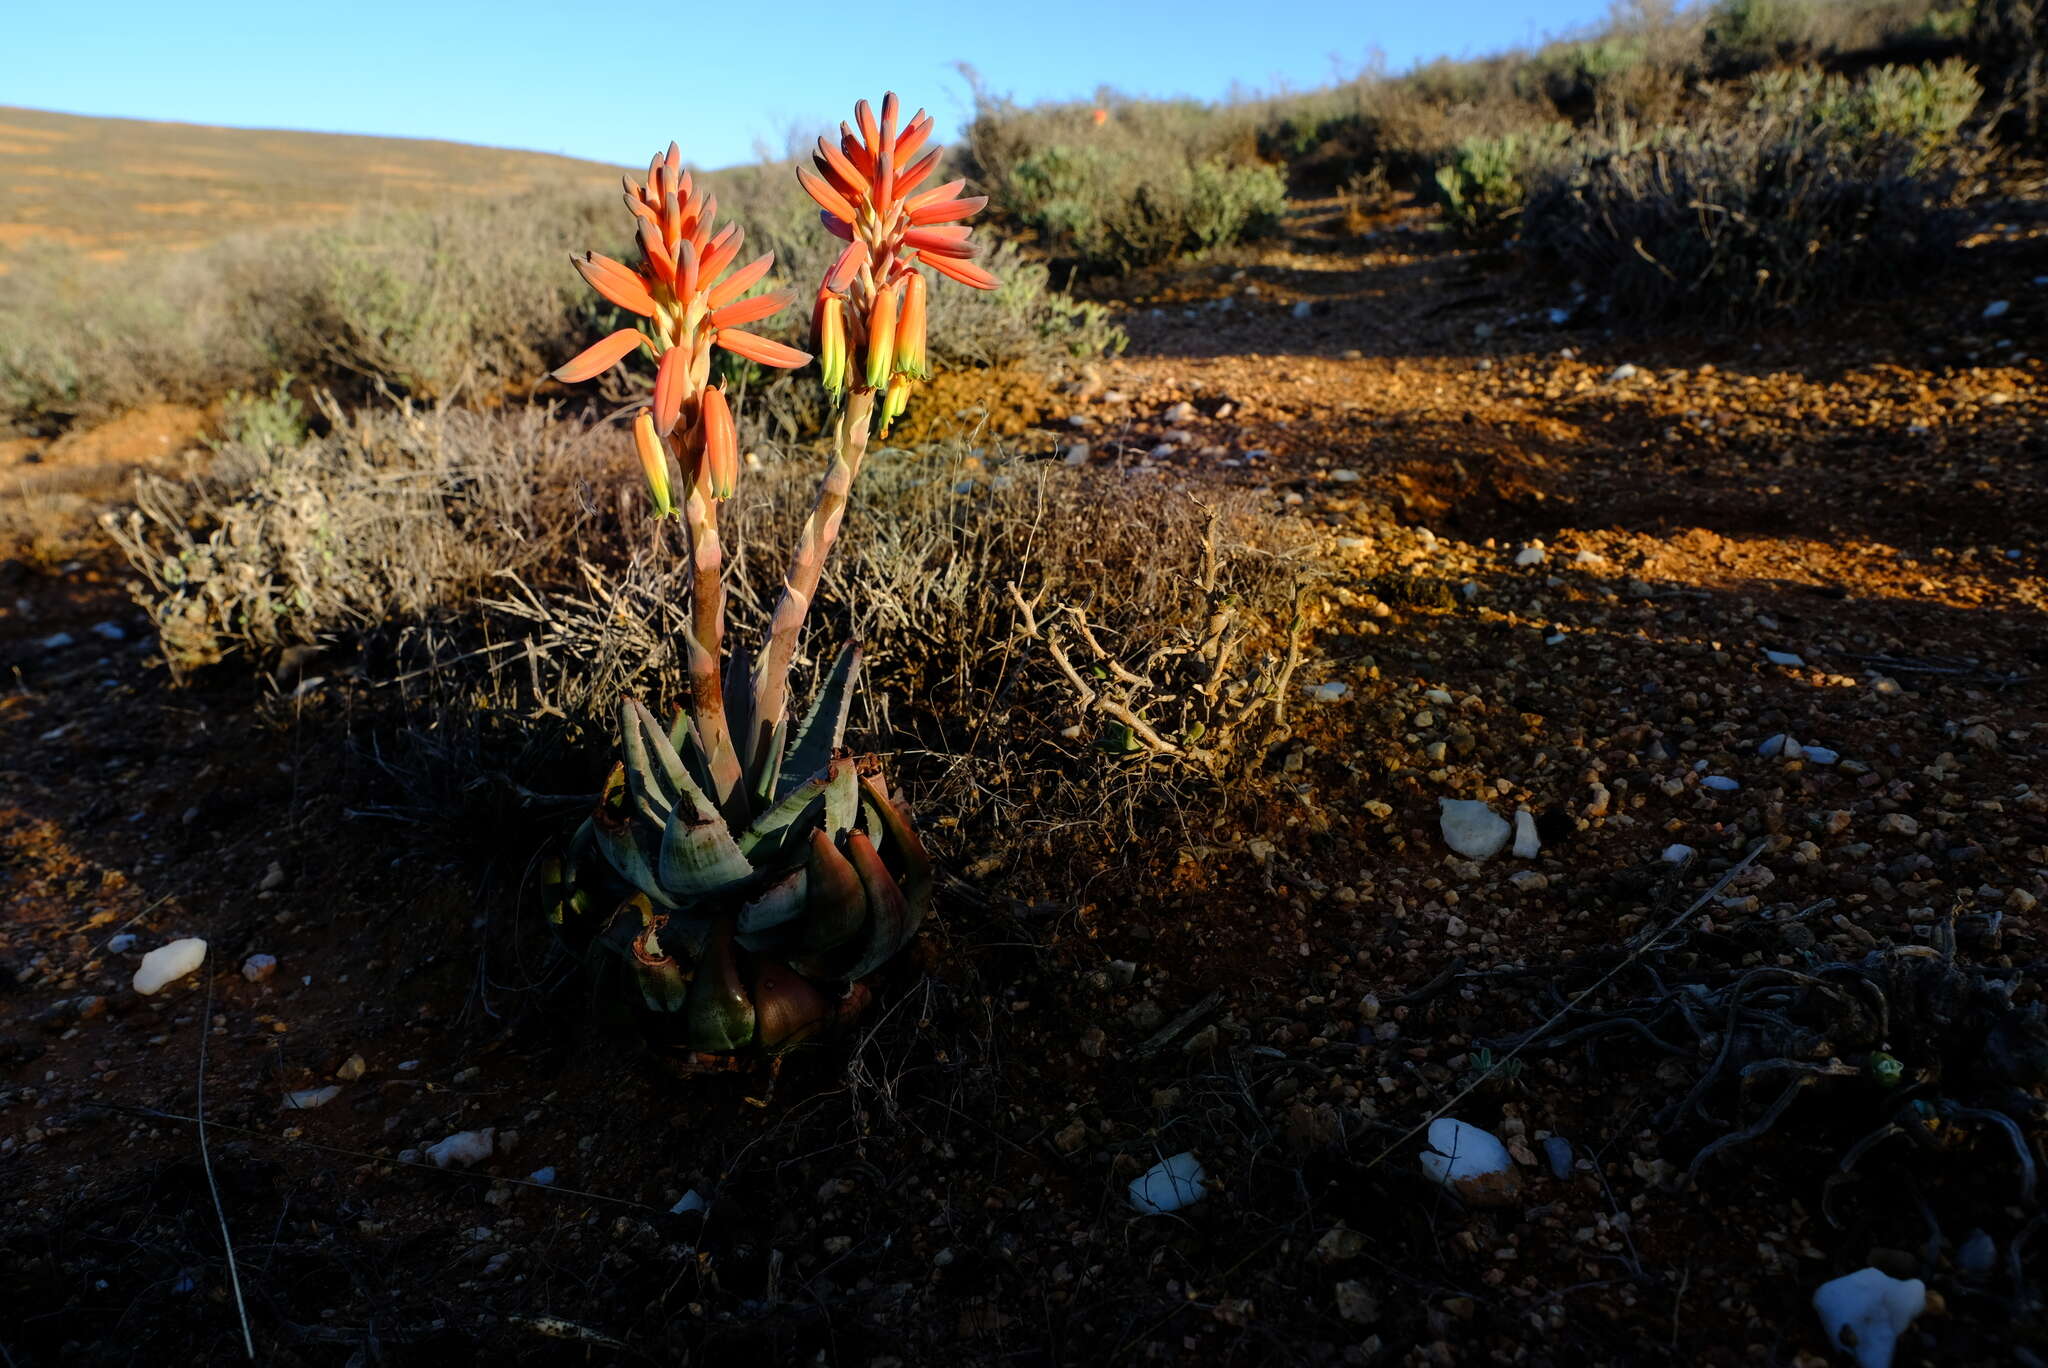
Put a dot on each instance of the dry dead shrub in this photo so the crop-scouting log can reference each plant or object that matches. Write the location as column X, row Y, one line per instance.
column 396, row 514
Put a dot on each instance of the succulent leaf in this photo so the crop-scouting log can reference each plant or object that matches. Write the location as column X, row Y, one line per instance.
column 654, row 771
column 904, row 849
column 842, row 801
column 824, row 727
column 787, row 1008
column 778, row 830
column 631, row 849
column 719, row 1015
column 776, row 907
column 661, row 980
column 700, row 857
column 889, row 919
column 837, row 908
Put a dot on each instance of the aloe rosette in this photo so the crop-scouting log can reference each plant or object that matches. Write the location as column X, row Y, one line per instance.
column 745, row 927
column 747, row 875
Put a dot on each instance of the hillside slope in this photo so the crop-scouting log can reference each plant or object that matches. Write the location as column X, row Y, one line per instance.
column 115, row 185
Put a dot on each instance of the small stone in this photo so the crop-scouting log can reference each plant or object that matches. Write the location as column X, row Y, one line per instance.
column 1471, row 1162
column 1529, row 555
column 58, row 641
column 1356, row 1304
column 352, row 1068
column 1528, row 881
column 1169, row 1185
column 463, row 1148
column 109, row 631
column 1978, row 1254
column 1340, row 1243
column 168, row 963
column 1558, row 1151
column 1899, row 824
column 1785, row 658
column 1346, row 476
column 121, row 944
column 690, row 1201
column 1527, row 843
column 1072, row 1138
column 1625, row 371
column 273, row 878
column 305, row 1099
column 1720, row 783
column 1677, row 854
column 1180, row 413
column 1597, row 800
column 1821, row 755
column 1982, row 737
column 1997, row 308
column 1075, row 453
column 1303, row 308
column 1866, row 1311
column 259, row 968
column 544, row 1176
column 1472, row 829
column 1328, row 693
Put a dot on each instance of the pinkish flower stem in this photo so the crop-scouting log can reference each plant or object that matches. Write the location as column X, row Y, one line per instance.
column 705, row 639
column 806, row 565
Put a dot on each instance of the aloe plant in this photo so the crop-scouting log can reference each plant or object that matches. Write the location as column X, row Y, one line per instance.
column 733, row 922
column 748, row 877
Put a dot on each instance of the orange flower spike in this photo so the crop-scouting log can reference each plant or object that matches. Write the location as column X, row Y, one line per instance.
column 846, row 178
column 949, row 241
column 740, row 281
column 671, row 379
column 966, row 272
column 850, row 146
column 828, row 332
column 910, row 328
column 721, row 469
column 760, row 349
column 949, row 190
column 658, row 260
column 946, row 211
column 653, row 463
column 881, row 337
column 720, row 252
column 916, row 174
column 827, row 196
column 686, row 271
column 616, row 282
column 752, row 310
column 914, row 135
column 600, row 357
column 864, row 119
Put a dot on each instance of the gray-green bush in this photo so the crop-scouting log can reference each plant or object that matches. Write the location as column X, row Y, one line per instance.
column 1816, row 188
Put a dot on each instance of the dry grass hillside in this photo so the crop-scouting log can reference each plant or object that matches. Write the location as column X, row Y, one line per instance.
column 114, row 185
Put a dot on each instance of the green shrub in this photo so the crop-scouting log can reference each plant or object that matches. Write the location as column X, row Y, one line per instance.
column 1485, row 181
column 1746, row 35
column 1815, row 189
column 1149, row 181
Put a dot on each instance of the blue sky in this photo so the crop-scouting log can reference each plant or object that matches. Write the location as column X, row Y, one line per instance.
column 614, row 85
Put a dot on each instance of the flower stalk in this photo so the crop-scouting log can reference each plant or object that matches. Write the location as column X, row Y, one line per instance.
column 735, row 860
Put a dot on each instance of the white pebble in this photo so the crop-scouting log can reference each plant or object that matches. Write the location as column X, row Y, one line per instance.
column 1677, row 854
column 1625, row 371
column 1821, row 755
column 1785, row 658
column 1529, row 555
column 1865, row 1312
column 1527, row 844
column 305, row 1099
column 168, row 963
column 1345, row 476
column 1558, row 1151
column 1773, row 745
column 1330, row 692
column 1472, row 828
column 544, row 1176
column 1469, row 1161
column 121, row 944
column 1169, row 1185
column 259, row 968
column 1996, row 308
column 692, row 1200
column 463, row 1148
column 1721, row 782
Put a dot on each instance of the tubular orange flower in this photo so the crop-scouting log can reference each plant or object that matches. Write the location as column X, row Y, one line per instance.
column 688, row 304
column 910, row 327
column 867, row 189
column 721, row 444
column 653, row 463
